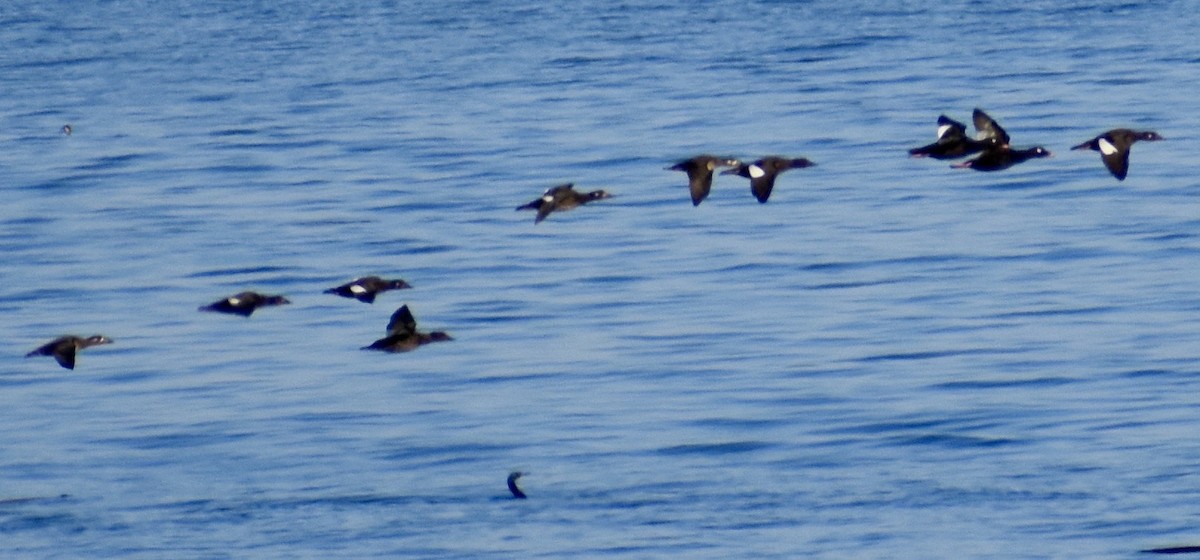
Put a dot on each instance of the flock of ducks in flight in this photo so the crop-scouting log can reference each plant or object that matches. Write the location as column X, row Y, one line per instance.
column 991, row 143
column 402, row 333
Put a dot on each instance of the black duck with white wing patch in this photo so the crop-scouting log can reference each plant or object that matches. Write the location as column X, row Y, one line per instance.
column 952, row 142
column 244, row 303
column 1114, row 148
column 762, row 173
column 366, row 288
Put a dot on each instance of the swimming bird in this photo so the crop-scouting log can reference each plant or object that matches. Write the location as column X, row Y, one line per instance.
column 1190, row 549
column 512, row 485
column 403, row 336
column 562, row 197
column 1114, row 148
column 952, row 142
column 64, row 348
column 366, row 288
column 700, row 173
column 1002, row 157
column 244, row 303
column 762, row 173
column 66, row 129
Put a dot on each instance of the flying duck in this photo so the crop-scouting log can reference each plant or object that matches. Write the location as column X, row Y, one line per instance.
column 562, row 197
column 366, row 288
column 762, row 173
column 64, row 348
column 403, row 336
column 952, row 141
column 700, row 173
column 1002, row 157
column 999, row 154
column 244, row 303
column 1114, row 148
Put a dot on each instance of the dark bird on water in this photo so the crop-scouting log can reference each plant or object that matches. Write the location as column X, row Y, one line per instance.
column 762, row 173
column 403, row 336
column 700, row 173
column 366, row 288
column 953, row 142
column 1191, row 549
column 1114, row 148
column 512, row 485
column 562, row 197
column 244, row 303
column 64, row 348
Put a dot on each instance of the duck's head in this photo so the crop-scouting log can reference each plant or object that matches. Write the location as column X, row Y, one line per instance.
column 96, row 339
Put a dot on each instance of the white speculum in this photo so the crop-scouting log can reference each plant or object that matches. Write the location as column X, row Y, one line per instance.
column 1106, row 147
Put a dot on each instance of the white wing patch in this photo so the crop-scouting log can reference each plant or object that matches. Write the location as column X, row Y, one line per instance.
column 1106, row 147
column 547, row 198
column 756, row 171
column 356, row 289
column 233, row 301
column 942, row 130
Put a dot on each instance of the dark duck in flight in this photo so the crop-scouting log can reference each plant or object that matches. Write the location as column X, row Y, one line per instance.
column 953, row 142
column 762, row 173
column 244, row 303
column 562, row 197
column 366, row 288
column 403, row 336
column 1114, row 148
column 1003, row 157
column 998, row 154
column 64, row 348
column 700, row 173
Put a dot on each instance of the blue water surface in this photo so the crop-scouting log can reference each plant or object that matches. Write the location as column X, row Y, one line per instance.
column 889, row 359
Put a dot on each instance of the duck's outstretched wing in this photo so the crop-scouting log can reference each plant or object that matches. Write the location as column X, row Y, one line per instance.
column 402, row 323
column 988, row 128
